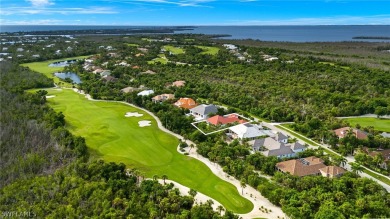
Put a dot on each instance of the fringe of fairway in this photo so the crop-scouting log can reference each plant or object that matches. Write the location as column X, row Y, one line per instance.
column 249, row 192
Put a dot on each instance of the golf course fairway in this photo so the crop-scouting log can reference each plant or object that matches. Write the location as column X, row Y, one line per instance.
column 116, row 138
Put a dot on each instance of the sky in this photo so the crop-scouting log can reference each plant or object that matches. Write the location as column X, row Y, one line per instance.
column 194, row 12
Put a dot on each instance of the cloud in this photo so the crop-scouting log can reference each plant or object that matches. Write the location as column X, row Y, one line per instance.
column 40, row 3
column 50, row 11
column 182, row 3
column 33, row 22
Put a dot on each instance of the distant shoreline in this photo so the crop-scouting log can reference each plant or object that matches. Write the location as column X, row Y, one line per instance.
column 371, row 37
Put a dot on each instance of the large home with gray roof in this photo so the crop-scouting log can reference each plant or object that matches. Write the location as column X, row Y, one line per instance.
column 271, row 147
column 202, row 111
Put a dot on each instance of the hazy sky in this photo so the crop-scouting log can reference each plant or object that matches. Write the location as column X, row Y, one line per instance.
column 194, row 12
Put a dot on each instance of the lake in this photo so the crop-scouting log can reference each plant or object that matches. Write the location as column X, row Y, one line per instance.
column 73, row 76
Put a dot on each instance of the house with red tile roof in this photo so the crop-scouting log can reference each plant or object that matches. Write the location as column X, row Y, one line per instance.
column 223, row 120
column 342, row 132
column 186, row 103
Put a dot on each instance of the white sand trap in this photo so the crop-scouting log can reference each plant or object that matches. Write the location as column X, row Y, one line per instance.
column 59, row 89
column 144, row 123
column 134, row 114
column 50, row 96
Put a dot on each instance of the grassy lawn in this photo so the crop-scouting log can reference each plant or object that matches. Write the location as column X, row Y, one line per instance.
column 132, row 44
column 286, row 128
column 161, row 58
column 379, row 177
column 43, row 67
column 210, row 50
column 174, row 50
column 112, row 136
column 378, row 124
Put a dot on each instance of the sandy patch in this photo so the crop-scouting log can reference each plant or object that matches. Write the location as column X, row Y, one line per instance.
column 199, row 197
column 50, row 96
column 59, row 89
column 133, row 114
column 144, row 123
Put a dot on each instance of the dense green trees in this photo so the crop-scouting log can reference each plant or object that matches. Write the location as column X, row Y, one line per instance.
column 105, row 190
column 33, row 138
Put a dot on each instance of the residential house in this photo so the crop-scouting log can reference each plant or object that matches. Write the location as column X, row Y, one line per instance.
column 302, row 167
column 109, row 78
column 150, row 72
column 385, row 135
column 223, row 120
column 385, row 153
column 280, row 137
column 129, row 89
column 162, row 97
column 186, row 103
column 203, row 111
column 97, row 71
column 332, row 171
column 105, row 73
column 145, row 93
column 245, row 131
column 178, row 83
column 342, row 132
column 271, row 147
column 230, row 46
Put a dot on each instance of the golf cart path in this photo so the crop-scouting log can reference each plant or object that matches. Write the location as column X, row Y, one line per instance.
column 250, row 193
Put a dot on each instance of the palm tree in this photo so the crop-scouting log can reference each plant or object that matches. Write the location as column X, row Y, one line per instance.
column 155, row 177
column 243, row 185
column 356, row 168
column 191, row 147
column 164, row 177
column 220, row 209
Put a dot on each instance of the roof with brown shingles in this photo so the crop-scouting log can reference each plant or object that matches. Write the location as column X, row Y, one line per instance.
column 302, row 167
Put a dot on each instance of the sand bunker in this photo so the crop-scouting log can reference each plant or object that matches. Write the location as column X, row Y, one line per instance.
column 50, row 96
column 144, row 123
column 134, row 114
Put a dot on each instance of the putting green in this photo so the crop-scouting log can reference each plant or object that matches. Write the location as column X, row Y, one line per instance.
column 117, row 138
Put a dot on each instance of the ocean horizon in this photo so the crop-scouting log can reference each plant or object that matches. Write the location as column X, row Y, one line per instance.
column 281, row 33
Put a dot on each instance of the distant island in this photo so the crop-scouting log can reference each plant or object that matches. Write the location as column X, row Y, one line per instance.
column 371, row 37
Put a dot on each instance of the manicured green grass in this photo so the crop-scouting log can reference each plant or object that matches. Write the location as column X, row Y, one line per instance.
column 379, row 177
column 161, row 58
column 210, row 50
column 174, row 50
column 378, row 124
column 43, row 67
column 286, row 128
column 132, row 44
column 114, row 137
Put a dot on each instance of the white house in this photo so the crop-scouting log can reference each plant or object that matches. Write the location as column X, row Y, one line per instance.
column 245, row 131
column 145, row 93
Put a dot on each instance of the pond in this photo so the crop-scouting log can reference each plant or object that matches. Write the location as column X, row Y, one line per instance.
column 73, row 76
column 62, row 63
